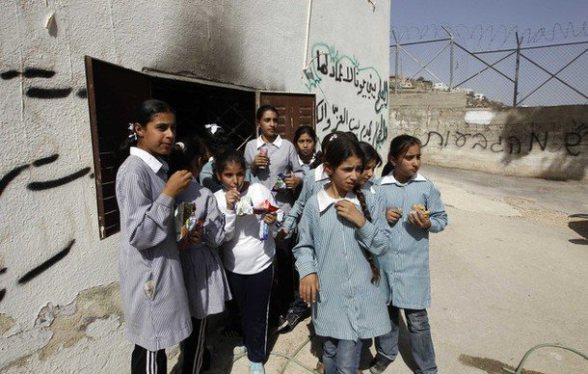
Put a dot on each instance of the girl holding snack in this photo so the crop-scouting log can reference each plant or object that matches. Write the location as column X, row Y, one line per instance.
column 248, row 251
column 273, row 162
column 414, row 208
column 204, row 276
column 333, row 256
column 151, row 281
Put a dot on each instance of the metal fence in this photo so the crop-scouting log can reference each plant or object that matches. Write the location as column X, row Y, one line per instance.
column 544, row 75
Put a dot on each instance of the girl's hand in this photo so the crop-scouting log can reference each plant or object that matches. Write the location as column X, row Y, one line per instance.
column 309, row 288
column 196, row 235
column 232, row 196
column 269, row 218
column 393, row 214
column 292, row 181
column 347, row 210
column 282, row 233
column 260, row 161
column 419, row 219
column 178, row 182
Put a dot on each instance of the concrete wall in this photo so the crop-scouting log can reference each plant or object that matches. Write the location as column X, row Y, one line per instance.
column 59, row 303
column 545, row 142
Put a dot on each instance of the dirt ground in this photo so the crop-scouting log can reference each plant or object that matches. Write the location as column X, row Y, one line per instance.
column 508, row 273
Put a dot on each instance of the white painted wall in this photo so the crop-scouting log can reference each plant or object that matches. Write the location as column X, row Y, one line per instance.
column 251, row 43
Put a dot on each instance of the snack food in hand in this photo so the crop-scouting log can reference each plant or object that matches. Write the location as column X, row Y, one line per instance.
column 422, row 208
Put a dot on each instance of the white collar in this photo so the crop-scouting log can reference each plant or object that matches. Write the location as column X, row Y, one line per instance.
column 153, row 162
column 325, row 201
column 319, row 173
column 277, row 141
column 309, row 162
column 389, row 179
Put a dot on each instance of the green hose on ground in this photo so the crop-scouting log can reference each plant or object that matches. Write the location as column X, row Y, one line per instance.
column 519, row 368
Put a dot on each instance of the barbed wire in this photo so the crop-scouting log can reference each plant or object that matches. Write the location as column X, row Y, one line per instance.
column 493, row 36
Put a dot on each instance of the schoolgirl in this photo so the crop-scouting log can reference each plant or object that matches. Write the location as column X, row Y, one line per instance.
column 333, row 257
column 305, row 142
column 413, row 210
column 204, row 275
column 151, row 282
column 372, row 161
column 216, row 141
column 273, row 162
column 248, row 251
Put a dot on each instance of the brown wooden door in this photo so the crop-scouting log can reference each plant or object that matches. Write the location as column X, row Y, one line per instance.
column 294, row 110
column 114, row 93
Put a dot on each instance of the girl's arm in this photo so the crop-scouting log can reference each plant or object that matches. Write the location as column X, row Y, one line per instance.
column 293, row 217
column 229, row 215
column 214, row 224
column 373, row 236
column 304, row 254
column 437, row 214
column 146, row 221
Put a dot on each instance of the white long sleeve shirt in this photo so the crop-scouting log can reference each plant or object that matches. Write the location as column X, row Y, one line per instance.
column 243, row 251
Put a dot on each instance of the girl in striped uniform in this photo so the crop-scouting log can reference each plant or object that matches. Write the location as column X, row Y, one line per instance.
column 247, row 255
column 335, row 241
column 413, row 210
column 151, row 281
column 206, row 282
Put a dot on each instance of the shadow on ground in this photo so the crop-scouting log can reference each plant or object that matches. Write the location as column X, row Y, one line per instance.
column 580, row 226
column 489, row 365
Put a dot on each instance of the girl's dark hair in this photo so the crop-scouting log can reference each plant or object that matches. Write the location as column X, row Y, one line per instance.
column 304, row 130
column 398, row 147
column 340, row 149
column 320, row 156
column 148, row 108
column 264, row 108
column 142, row 115
column 221, row 162
column 370, row 153
column 184, row 152
column 217, row 142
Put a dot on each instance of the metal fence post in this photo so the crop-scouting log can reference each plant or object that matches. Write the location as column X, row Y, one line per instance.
column 397, row 52
column 451, row 44
column 516, row 76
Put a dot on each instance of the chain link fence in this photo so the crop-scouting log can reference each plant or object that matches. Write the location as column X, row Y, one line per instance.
column 546, row 75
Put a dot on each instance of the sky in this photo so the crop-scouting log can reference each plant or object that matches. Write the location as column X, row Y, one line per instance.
column 491, row 25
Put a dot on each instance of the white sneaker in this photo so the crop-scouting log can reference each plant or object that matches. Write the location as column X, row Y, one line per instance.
column 256, row 368
column 239, row 350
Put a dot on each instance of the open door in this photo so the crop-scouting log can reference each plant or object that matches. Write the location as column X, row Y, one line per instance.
column 114, row 93
column 294, row 110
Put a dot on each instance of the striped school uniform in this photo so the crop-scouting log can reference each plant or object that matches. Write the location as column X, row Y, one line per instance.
column 349, row 306
column 313, row 183
column 151, row 279
column 406, row 265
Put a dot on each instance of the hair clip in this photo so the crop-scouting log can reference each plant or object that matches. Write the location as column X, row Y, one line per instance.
column 133, row 134
column 333, row 137
column 181, row 145
column 212, row 127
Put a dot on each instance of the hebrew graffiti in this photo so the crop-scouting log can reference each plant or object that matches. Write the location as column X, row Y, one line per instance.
column 514, row 144
column 39, row 186
column 42, row 92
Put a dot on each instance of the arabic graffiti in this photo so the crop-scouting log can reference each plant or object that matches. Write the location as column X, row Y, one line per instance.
column 333, row 117
column 329, row 63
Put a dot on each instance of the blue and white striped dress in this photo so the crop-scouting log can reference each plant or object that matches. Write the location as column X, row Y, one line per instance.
column 204, row 274
column 313, row 183
column 406, row 265
column 151, row 280
column 349, row 306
